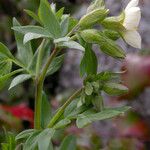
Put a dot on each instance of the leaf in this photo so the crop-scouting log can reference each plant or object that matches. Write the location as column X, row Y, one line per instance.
column 87, row 118
column 35, row 31
column 5, row 146
column 98, row 102
column 31, row 142
column 49, row 19
column 44, row 139
column 88, row 88
column 45, row 54
column 24, row 51
column 4, row 51
column 107, row 45
column 5, row 60
column 55, row 65
column 115, row 89
column 70, row 108
column 6, row 77
column 33, row 62
column 30, row 36
column 24, row 134
column 33, row 15
column 5, row 66
column 69, row 143
column 72, row 23
column 106, row 76
column 64, row 24
column 59, row 13
column 93, row 17
column 62, row 123
column 10, row 142
column 89, row 62
column 45, row 111
column 72, row 45
column 40, row 140
column 19, row 79
column 77, row 111
column 63, row 39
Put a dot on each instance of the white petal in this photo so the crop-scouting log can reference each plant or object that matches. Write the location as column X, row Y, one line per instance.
column 132, row 3
column 132, row 18
column 133, row 38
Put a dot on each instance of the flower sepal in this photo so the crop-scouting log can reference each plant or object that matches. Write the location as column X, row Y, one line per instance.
column 114, row 23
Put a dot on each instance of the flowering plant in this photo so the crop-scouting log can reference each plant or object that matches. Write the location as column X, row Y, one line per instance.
column 59, row 31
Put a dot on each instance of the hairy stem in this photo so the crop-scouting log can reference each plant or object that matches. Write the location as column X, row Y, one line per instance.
column 61, row 109
column 73, row 30
column 45, row 68
column 38, row 100
column 39, row 89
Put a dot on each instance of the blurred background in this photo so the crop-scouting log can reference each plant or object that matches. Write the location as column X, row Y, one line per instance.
column 129, row 132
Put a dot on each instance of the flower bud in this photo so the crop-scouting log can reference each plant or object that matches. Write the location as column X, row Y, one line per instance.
column 114, row 23
column 107, row 45
column 93, row 17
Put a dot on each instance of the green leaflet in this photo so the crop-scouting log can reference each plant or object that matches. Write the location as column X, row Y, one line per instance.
column 39, row 139
column 88, row 88
column 69, row 143
column 5, row 66
column 64, row 24
column 115, row 89
column 44, row 56
column 19, row 79
column 5, row 60
column 6, row 77
column 45, row 111
column 89, row 62
column 32, row 32
column 4, row 52
column 10, row 142
column 24, row 134
column 59, row 13
column 49, row 19
column 24, row 51
column 72, row 45
column 55, row 65
column 88, row 117
column 33, row 15
column 62, row 123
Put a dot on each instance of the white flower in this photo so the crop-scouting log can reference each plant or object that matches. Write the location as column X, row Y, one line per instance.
column 131, row 23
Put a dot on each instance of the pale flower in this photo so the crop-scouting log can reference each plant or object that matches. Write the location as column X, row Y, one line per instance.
column 131, row 23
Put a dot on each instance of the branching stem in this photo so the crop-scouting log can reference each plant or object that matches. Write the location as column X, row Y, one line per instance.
column 62, row 109
column 39, row 89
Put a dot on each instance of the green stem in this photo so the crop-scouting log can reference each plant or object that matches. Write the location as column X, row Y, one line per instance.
column 38, row 100
column 45, row 68
column 73, row 30
column 39, row 89
column 74, row 37
column 18, row 63
column 62, row 109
